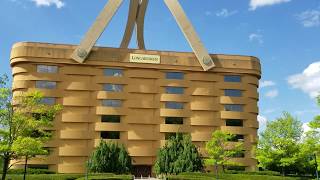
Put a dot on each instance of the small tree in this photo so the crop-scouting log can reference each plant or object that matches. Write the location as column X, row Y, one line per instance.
column 279, row 144
column 109, row 157
column 22, row 117
column 178, row 155
column 220, row 151
column 28, row 147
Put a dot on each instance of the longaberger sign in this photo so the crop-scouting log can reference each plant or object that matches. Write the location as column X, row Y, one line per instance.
column 144, row 58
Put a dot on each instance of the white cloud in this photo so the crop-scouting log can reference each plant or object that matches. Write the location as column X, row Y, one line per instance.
column 305, row 127
column 310, row 18
column 58, row 3
column 308, row 81
column 267, row 84
column 272, row 93
column 262, row 121
column 225, row 13
column 254, row 4
column 256, row 38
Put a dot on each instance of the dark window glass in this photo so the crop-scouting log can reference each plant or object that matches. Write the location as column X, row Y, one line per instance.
column 113, row 87
column 111, row 118
column 232, row 78
column 174, row 75
column 46, row 84
column 47, row 69
column 42, row 116
column 110, row 134
column 239, row 154
column 112, row 103
column 174, row 105
column 236, row 168
column 170, row 135
column 233, row 107
column 174, row 90
column 233, row 92
column 174, row 120
column 38, row 166
column 48, row 101
column 237, row 137
column 113, row 72
column 234, row 122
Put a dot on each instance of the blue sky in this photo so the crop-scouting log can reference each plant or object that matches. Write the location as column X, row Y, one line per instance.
column 284, row 34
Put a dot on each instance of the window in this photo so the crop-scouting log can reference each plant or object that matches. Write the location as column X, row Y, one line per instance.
column 112, row 102
column 174, row 120
column 237, row 137
column 174, row 105
column 43, row 116
column 48, row 101
column 234, row 122
column 236, row 168
column 233, row 92
column 38, row 166
column 46, row 84
column 232, row 78
column 47, row 69
column 239, row 154
column 174, row 75
column 233, row 107
column 110, row 118
column 174, row 90
column 113, row 72
column 110, row 134
column 170, row 135
column 113, row 87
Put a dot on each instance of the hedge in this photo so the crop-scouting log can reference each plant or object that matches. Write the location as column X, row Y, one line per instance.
column 108, row 176
column 207, row 176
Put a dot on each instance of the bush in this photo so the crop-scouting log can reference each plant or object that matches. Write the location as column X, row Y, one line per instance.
column 207, row 176
column 110, row 158
column 114, row 177
column 30, row 171
column 269, row 173
column 178, row 155
column 108, row 176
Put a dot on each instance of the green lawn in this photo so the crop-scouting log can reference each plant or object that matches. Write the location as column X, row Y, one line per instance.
column 202, row 176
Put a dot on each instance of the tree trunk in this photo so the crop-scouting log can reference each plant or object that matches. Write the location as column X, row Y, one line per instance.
column 216, row 169
column 6, row 161
column 25, row 168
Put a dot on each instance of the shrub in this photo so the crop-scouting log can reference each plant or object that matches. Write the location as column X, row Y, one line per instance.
column 269, row 173
column 110, row 158
column 178, row 155
column 31, row 171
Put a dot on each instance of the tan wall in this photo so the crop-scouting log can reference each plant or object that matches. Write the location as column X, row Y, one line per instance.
column 142, row 125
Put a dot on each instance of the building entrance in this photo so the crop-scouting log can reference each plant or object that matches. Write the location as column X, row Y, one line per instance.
column 142, row 171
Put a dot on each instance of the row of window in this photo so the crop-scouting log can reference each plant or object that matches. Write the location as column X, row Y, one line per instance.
column 168, row 105
column 168, row 120
column 119, row 73
column 116, row 135
column 119, row 88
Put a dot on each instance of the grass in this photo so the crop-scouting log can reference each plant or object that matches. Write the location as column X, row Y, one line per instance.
column 207, row 176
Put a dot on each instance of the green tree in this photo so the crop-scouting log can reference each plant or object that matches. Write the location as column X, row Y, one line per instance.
column 28, row 147
column 22, row 117
column 221, row 151
column 279, row 144
column 178, row 155
column 110, row 157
